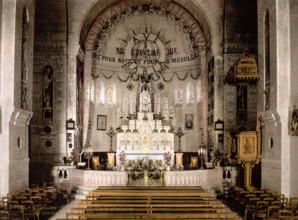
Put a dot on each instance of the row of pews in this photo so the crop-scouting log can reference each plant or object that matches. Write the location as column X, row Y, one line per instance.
column 151, row 203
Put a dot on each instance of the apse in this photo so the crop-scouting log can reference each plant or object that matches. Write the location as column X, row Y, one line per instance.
column 130, row 45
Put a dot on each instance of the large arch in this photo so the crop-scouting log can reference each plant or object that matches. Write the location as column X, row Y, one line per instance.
column 202, row 36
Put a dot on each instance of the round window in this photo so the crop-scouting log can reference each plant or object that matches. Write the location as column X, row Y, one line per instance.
column 19, row 142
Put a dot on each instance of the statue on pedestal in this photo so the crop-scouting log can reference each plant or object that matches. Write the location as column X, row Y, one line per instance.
column 145, row 99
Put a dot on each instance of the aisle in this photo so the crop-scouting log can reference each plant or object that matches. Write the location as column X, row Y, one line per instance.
column 62, row 212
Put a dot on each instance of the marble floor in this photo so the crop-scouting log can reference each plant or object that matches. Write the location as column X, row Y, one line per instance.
column 65, row 209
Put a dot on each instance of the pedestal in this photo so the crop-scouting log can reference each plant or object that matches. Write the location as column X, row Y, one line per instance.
column 179, row 159
column 111, row 159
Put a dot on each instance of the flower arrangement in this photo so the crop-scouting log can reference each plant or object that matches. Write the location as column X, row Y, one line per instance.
column 122, row 158
column 72, row 156
column 167, row 158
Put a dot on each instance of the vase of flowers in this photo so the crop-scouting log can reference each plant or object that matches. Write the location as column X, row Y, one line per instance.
column 122, row 160
column 167, row 158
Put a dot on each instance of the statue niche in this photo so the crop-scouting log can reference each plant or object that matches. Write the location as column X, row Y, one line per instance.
column 47, row 95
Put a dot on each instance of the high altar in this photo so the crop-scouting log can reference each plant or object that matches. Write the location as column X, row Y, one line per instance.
column 152, row 140
column 145, row 134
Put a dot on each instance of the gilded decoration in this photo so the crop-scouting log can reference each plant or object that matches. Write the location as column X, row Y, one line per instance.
column 243, row 71
column 244, row 146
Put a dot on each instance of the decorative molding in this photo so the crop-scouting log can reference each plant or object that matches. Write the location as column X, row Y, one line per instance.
column 50, row 48
column 20, row 117
column 81, row 54
column 270, row 116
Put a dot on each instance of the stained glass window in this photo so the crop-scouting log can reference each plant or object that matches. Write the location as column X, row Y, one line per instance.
column 179, row 95
column 92, row 91
column 111, row 90
column 100, row 95
column 190, row 93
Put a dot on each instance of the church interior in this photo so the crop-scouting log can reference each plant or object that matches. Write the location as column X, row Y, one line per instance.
column 152, row 109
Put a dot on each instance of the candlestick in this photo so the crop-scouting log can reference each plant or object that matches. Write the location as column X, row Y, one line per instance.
column 135, row 130
column 179, row 133
column 111, row 132
column 128, row 130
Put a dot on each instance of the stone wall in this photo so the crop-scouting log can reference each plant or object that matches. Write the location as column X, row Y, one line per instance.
column 48, row 137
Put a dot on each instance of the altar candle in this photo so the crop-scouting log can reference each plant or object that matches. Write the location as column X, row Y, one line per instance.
column 132, row 103
column 157, row 103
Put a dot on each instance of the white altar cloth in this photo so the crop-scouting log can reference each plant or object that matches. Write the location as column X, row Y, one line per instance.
column 204, row 178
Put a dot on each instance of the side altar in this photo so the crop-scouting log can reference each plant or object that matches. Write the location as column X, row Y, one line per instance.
column 147, row 137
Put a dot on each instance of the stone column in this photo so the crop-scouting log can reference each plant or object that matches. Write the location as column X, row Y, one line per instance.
column 283, row 56
column 7, row 86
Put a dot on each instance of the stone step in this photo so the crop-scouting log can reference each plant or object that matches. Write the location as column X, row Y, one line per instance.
column 82, row 191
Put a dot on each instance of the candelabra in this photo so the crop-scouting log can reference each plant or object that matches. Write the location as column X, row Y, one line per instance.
column 202, row 151
column 111, row 132
column 135, row 130
column 88, row 154
column 171, row 125
column 179, row 133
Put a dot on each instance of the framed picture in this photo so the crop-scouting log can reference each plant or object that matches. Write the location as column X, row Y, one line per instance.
column 69, row 137
column 219, row 125
column 189, row 118
column 70, row 124
column 101, row 122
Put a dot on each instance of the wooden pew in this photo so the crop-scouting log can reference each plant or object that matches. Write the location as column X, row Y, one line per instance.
column 230, row 215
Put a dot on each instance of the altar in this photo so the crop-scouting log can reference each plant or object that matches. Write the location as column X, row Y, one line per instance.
column 152, row 140
column 145, row 133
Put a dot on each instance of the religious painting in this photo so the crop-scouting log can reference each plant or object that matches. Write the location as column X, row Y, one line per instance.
column 219, row 125
column 101, row 122
column 189, row 119
column 69, row 137
column 294, row 122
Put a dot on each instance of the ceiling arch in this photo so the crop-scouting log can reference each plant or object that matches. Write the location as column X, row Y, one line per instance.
column 194, row 8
